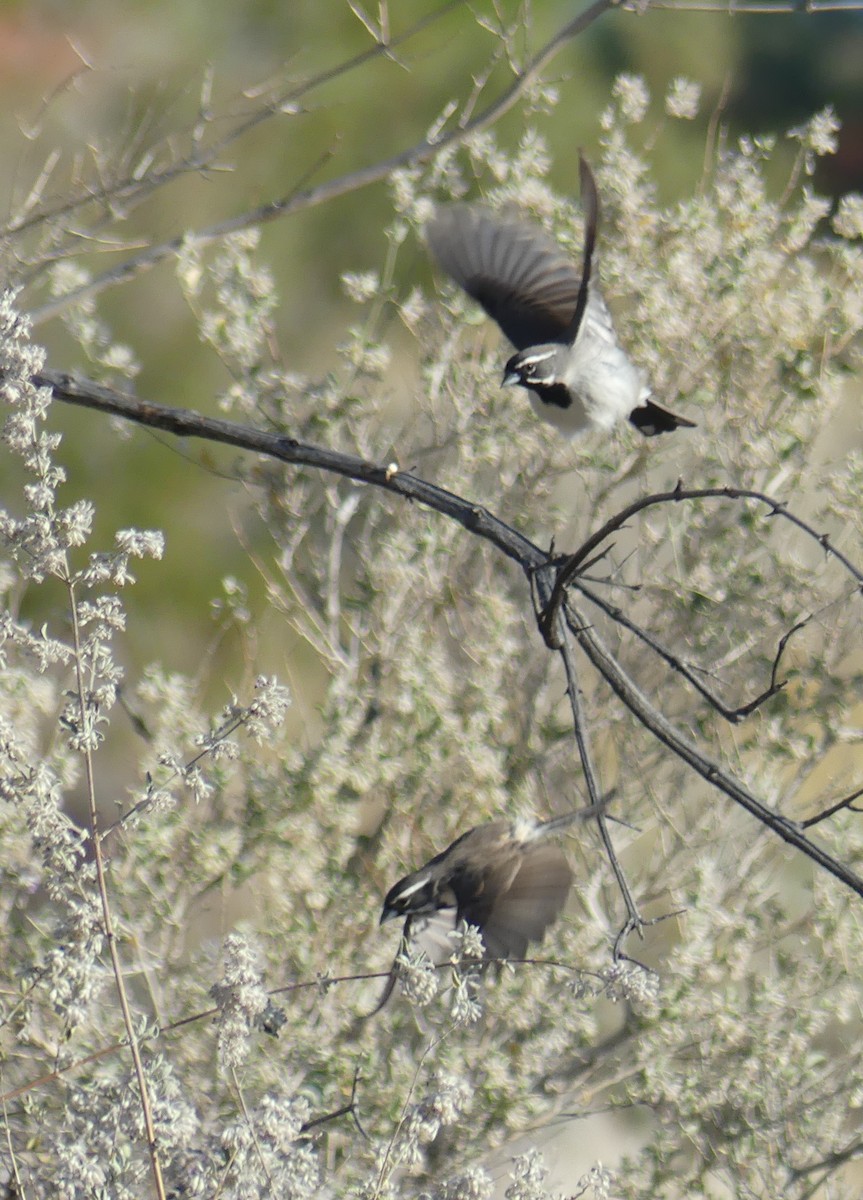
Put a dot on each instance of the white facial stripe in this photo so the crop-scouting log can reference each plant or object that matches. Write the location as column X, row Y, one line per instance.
column 529, row 360
column 416, row 886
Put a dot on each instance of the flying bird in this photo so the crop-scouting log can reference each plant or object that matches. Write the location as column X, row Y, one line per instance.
column 568, row 355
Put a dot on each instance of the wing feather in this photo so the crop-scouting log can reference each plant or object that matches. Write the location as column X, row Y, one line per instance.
column 519, row 274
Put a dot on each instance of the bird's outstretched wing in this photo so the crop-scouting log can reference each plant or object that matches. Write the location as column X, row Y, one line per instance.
column 590, row 204
column 519, row 274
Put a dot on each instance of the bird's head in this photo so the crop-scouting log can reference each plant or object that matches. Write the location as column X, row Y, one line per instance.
column 536, row 367
column 410, row 897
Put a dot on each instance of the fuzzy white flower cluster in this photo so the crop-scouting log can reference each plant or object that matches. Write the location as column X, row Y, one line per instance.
column 361, row 286
column 241, row 998
column 364, row 356
column 632, row 97
column 818, row 136
column 682, row 99
column 259, row 719
column 630, row 982
column 444, row 1103
column 267, row 1138
column 528, row 1174
column 467, row 943
column 848, row 221
column 596, row 1183
column 467, row 952
column 79, row 315
column 418, row 978
column 473, row 1184
column 268, row 709
column 238, row 325
column 39, row 540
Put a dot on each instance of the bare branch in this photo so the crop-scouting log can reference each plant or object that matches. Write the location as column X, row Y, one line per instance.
column 762, row 7
column 185, row 423
column 136, row 187
column 638, row 704
column 633, row 917
column 827, row 1166
column 569, row 564
column 733, row 715
column 846, row 803
column 350, row 1107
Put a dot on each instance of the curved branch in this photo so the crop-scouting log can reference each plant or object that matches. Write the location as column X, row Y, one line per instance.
column 846, row 803
column 733, row 715
column 569, row 565
column 185, row 423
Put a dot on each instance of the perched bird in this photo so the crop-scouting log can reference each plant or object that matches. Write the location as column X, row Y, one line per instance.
column 505, row 877
column 568, row 355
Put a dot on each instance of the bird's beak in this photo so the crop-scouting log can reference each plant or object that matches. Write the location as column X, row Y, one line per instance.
column 387, row 915
column 510, row 379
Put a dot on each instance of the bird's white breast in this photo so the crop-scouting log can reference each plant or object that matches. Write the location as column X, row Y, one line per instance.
column 605, row 385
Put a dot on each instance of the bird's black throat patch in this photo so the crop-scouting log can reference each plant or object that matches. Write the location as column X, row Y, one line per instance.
column 555, row 394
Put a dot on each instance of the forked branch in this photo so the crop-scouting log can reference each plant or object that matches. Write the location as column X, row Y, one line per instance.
column 535, row 562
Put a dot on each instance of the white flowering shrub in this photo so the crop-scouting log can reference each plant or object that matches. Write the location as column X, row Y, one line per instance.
column 189, row 942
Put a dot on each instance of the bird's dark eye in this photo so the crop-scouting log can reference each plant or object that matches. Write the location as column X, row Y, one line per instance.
column 536, row 369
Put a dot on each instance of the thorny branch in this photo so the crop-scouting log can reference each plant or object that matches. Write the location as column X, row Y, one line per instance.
column 732, row 715
column 538, row 565
column 571, row 564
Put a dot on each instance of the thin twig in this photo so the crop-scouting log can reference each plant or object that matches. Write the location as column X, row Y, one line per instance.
column 848, row 803
column 633, row 918
column 247, row 1118
column 732, row 715
column 131, row 189
column 107, row 920
column 353, row 181
column 19, row 1192
column 302, row 985
column 761, row 7
column 350, row 1107
column 830, row 1163
column 569, row 565
column 221, row 735
column 385, row 1162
